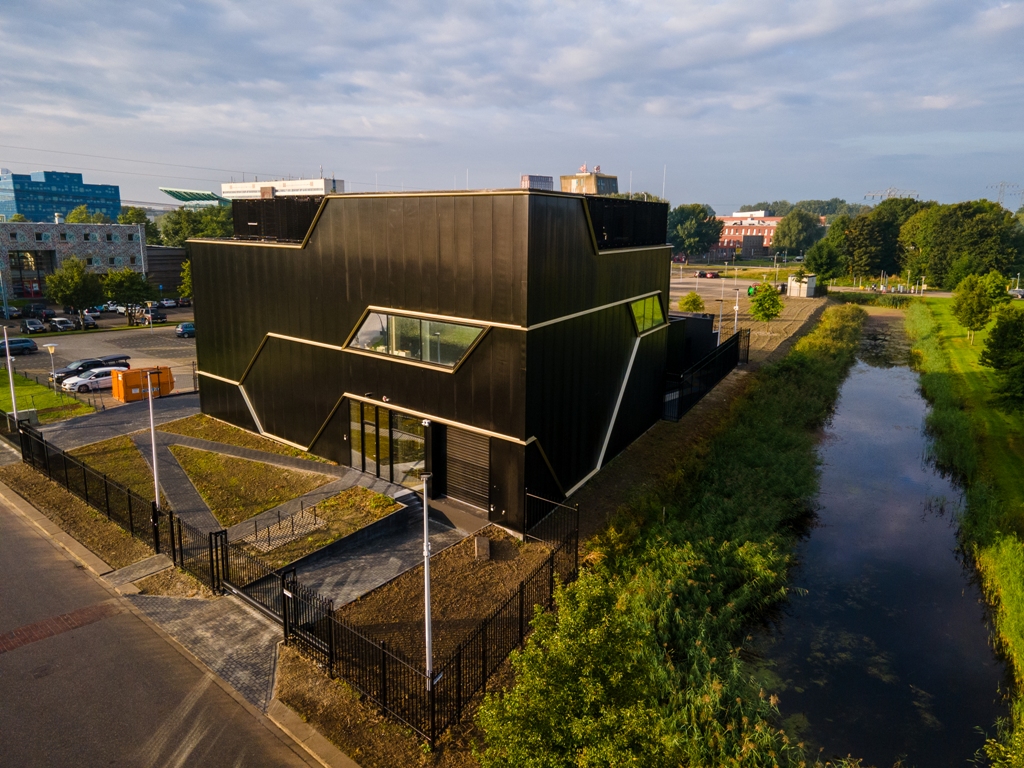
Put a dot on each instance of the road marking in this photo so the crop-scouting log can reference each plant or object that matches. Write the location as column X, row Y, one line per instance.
column 57, row 625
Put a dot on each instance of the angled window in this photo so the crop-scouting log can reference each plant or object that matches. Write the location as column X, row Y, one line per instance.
column 647, row 314
column 413, row 338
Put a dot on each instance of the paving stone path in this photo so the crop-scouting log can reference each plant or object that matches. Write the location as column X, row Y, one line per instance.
column 233, row 640
column 103, row 425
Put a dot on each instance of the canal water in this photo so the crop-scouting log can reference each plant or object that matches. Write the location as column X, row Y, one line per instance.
column 886, row 654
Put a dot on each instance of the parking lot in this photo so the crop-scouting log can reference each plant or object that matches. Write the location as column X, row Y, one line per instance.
column 147, row 347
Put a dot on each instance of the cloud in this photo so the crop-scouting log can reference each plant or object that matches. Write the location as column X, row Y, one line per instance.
column 501, row 85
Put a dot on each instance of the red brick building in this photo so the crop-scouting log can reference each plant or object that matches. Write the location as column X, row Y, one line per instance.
column 747, row 234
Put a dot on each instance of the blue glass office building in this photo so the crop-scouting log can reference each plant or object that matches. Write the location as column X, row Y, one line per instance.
column 38, row 196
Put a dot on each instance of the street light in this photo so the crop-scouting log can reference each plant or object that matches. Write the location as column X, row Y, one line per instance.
column 736, row 310
column 152, row 439
column 53, row 372
column 428, row 630
column 10, row 377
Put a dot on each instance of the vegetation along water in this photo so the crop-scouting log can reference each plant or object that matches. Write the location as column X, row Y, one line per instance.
column 645, row 660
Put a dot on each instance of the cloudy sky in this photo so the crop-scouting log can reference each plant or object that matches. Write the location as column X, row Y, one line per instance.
column 728, row 101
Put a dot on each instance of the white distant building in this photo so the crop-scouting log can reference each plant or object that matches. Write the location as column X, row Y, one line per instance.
column 255, row 190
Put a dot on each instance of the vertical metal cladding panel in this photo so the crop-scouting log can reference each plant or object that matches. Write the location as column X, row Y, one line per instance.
column 468, row 467
column 508, row 490
column 644, row 397
column 224, row 401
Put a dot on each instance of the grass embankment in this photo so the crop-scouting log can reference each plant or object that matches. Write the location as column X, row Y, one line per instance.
column 50, row 406
column 119, row 459
column 641, row 663
column 344, row 513
column 208, row 428
column 981, row 444
column 236, row 489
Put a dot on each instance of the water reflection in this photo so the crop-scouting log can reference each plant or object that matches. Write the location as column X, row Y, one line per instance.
column 885, row 655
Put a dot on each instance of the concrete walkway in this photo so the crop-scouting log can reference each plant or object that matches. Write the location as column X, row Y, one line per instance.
column 175, row 484
column 103, row 425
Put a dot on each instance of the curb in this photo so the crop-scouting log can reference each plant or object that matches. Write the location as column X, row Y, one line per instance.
column 307, row 737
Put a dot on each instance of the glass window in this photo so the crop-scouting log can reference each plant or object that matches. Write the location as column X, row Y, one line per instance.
column 428, row 341
column 647, row 313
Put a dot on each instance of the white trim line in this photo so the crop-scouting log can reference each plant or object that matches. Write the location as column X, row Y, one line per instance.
column 312, row 343
column 611, row 424
column 581, row 313
column 216, row 377
column 443, row 318
column 252, row 411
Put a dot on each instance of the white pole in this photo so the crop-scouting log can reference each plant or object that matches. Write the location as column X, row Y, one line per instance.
column 736, row 310
column 53, row 371
column 10, row 376
column 152, row 440
column 425, row 477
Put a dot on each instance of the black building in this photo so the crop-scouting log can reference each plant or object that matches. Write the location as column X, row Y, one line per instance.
column 507, row 341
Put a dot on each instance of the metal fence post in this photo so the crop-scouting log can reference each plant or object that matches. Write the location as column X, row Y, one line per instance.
column 46, row 459
column 432, row 699
column 551, row 579
column 285, row 619
column 214, row 581
column 483, row 657
column 106, row 495
column 330, row 639
column 85, row 483
column 522, row 612
column 67, row 480
column 383, row 674
column 131, row 519
column 154, row 518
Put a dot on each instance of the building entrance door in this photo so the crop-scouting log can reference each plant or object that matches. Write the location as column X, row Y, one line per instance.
column 387, row 444
column 469, row 467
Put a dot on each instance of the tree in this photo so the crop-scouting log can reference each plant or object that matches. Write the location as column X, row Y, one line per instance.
column 824, row 259
column 127, row 287
column 946, row 243
column 131, row 215
column 776, row 208
column 972, row 306
column 81, row 215
column 72, row 285
column 693, row 228
column 178, row 226
column 766, row 304
column 797, row 231
column 185, row 289
column 867, row 246
column 18, row 217
column 996, row 286
column 691, row 302
column 1004, row 351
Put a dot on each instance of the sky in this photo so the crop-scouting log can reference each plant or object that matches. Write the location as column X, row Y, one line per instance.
column 722, row 102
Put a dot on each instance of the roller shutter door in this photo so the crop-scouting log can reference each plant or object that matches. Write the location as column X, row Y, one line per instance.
column 469, row 463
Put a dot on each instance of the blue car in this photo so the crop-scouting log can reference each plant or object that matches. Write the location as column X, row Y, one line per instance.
column 18, row 347
column 185, row 330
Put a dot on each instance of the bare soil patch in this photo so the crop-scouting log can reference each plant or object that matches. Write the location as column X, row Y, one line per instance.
column 206, row 427
column 463, row 592
column 106, row 539
column 173, row 582
column 236, row 489
column 344, row 513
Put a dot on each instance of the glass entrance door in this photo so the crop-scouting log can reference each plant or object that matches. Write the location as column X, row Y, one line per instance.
column 388, row 444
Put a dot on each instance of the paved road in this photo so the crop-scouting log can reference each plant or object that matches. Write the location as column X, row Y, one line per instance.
column 87, row 682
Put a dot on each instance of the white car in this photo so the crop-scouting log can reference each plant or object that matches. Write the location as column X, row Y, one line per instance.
column 90, row 381
column 168, row 303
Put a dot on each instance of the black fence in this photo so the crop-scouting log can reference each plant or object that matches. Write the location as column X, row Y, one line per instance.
column 282, row 218
column 426, row 703
column 684, row 390
column 189, row 548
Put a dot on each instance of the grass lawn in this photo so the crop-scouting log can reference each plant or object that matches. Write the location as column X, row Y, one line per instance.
column 345, row 513
column 119, row 459
column 51, row 406
column 236, row 489
column 1002, row 431
column 207, row 428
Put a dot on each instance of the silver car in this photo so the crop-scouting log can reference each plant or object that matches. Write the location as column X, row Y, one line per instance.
column 90, row 381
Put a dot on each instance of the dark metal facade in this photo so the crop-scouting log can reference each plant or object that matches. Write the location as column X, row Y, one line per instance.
column 542, row 385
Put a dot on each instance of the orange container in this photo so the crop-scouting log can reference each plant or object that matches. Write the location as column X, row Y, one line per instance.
column 131, row 385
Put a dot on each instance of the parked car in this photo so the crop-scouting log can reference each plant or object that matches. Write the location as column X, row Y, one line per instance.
column 77, row 367
column 185, row 330
column 110, row 306
column 90, row 381
column 85, row 322
column 19, row 347
column 1016, row 293
column 168, row 303
column 705, row 273
column 184, row 301
column 31, row 310
column 59, row 324
column 11, row 314
column 31, row 325
column 152, row 315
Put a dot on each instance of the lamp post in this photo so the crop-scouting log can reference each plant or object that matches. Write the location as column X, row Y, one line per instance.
column 53, row 372
column 152, row 439
column 720, row 304
column 428, row 630
column 10, row 377
column 736, row 311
